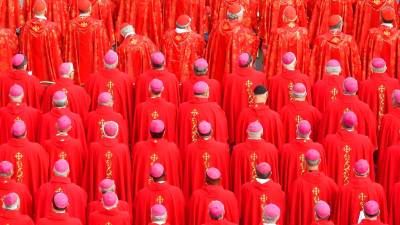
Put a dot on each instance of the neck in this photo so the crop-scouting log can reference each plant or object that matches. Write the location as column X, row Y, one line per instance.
column 85, row 14
column 387, row 25
column 291, row 68
column 62, row 133
column 129, row 34
column 333, row 74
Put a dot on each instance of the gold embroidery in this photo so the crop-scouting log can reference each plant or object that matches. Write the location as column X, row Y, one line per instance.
column 133, row 41
column 154, row 115
column 386, row 33
column 226, row 26
column 316, row 192
column 335, row 40
column 108, row 223
column 35, row 28
column 302, row 164
column 194, row 113
column 83, row 24
column 160, row 199
column 253, row 158
column 101, row 124
column 290, row 88
column 178, row 38
column 206, row 157
column 250, row 95
column 381, row 107
column 377, row 2
column 263, row 201
column 17, row 118
column 109, row 171
column 153, row 159
column 334, row 92
column 346, row 166
column 362, row 197
column 110, row 86
column 62, row 155
column 20, row 166
column 58, row 190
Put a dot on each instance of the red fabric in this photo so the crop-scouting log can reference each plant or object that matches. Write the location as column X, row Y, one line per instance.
column 60, row 219
column 160, row 193
column 269, row 119
column 199, row 12
column 219, row 222
column 353, row 196
column 113, row 216
column 198, row 204
column 16, row 111
column 339, row 161
column 281, row 85
column 250, row 9
column 8, row 185
column 388, row 173
column 371, row 222
column 305, row 192
column 394, row 217
column 11, row 15
column 9, row 46
column 292, row 163
column 323, row 222
column 293, row 113
column 215, row 91
column 389, row 132
column 103, row 10
column 31, row 165
column 97, row 205
column 15, row 218
column 199, row 157
column 57, row 11
column 146, row 153
column 326, row 91
column 238, row 94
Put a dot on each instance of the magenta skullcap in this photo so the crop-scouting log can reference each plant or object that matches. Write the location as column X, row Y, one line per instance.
column 371, row 208
column 104, row 97
column 332, row 66
column 254, row 127
column 204, row 127
column 60, row 200
column 200, row 87
column 361, row 167
column 109, row 199
column 111, row 57
column 110, row 128
column 304, row 127
column 288, row 58
column 271, row 211
column 299, row 90
column 213, row 173
column 200, row 64
column 396, row 96
column 18, row 128
column 157, row 58
column 263, row 168
column 6, row 167
column 156, row 170
column 156, row 85
column 157, row 126
column 61, row 166
column 216, row 209
column 65, row 68
column 16, row 90
column 350, row 85
column 378, row 63
column 106, row 184
column 18, row 60
column 244, row 59
column 349, row 119
column 158, row 210
column 64, row 123
column 59, row 96
column 312, row 155
column 322, row 210
column 10, row 199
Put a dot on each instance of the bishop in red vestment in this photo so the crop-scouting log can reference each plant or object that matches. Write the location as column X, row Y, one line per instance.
column 211, row 191
column 258, row 193
column 155, row 107
column 200, row 156
column 390, row 124
column 345, row 148
column 394, row 217
column 156, row 149
column 159, row 191
column 86, row 41
column 17, row 110
column 9, row 45
column 109, row 214
column 356, row 194
column 11, row 211
column 334, row 44
column 159, row 215
column 109, row 159
column 371, row 214
column 247, row 155
column 388, row 173
column 158, row 71
column 250, row 10
column 182, row 47
column 259, row 111
column 41, row 42
column 18, row 75
column 322, row 214
column 216, row 211
column 280, row 86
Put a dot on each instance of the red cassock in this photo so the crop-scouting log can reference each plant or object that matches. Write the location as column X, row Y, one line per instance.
column 9, row 46
column 292, row 163
column 388, row 173
column 11, row 14
column 160, row 193
column 305, row 192
column 394, row 217
column 220, row 222
column 97, row 205
column 33, row 90
column 323, row 222
column 103, row 10
column 134, row 55
column 327, row 90
column 381, row 42
column 352, row 197
column 30, row 160
column 293, row 113
column 70, row 149
column 113, row 216
column 255, row 196
column 77, row 198
column 59, row 219
column 86, row 42
column 366, row 123
column 198, row 204
column 226, row 42
column 181, row 50
column 8, row 185
column 200, row 13
column 146, row 153
column 281, row 85
column 96, row 119
column 15, row 218
column 108, row 159
column 78, row 99
column 250, row 9
column 289, row 38
column 335, row 45
column 389, row 132
column 269, row 119
column 370, row 222
column 343, row 150
column 152, row 109
column 58, row 12
column 170, row 12
column 17, row 111
column 246, row 156
column 214, row 89
column 238, row 94
column 377, row 93
column 40, row 43
column 199, row 157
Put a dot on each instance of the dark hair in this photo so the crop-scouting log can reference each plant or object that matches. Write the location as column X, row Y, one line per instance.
column 386, row 21
column 21, row 66
column 55, row 206
column 204, row 135
column 200, row 72
column 263, row 176
column 212, row 181
column 157, row 66
column 337, row 26
column 259, row 90
column 249, row 61
column 216, row 217
column 161, row 178
column 157, row 135
column 376, row 214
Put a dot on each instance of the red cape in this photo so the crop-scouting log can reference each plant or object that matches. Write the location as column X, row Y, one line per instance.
column 389, row 169
column 394, row 204
column 97, row 205
column 113, row 216
column 60, row 219
column 8, row 185
column 389, row 132
column 327, row 90
column 323, row 222
column 214, row 89
column 15, row 218
column 160, row 193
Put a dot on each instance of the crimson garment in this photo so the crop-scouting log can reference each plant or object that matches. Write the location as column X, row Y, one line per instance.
column 214, row 86
column 70, row 149
column 250, row 9
column 389, row 132
column 33, row 90
column 160, row 193
column 269, row 119
column 59, row 219
column 170, row 82
column 246, row 156
column 113, row 216
column 30, row 160
column 200, row 156
column 200, row 13
column 19, row 111
column 281, row 85
column 77, row 198
column 194, row 111
column 388, row 173
column 8, row 185
column 370, row 222
column 327, row 90
column 11, row 15
column 9, row 47
column 146, row 153
column 255, row 195
column 305, row 192
column 292, row 163
column 78, row 99
column 97, row 205
column 293, row 113
column 394, row 217
column 238, row 94
column 352, row 197
column 220, row 222
column 198, row 204
column 152, row 109
column 14, row 218
column 96, row 119
column 108, row 159
column 323, row 222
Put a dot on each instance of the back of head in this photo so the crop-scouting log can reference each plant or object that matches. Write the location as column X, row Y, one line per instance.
column 333, row 67
column 245, row 60
column 335, row 23
column 200, row 66
column 216, row 210
column 111, row 59
column 157, row 129
column 235, row 12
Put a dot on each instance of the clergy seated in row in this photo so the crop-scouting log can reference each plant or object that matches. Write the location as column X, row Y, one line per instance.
column 109, row 213
column 216, row 212
column 322, row 214
column 11, row 212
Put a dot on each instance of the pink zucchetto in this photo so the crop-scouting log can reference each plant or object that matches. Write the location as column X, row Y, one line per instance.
column 18, row 128
column 304, row 127
column 6, row 167
column 157, row 126
column 332, row 66
column 213, row 173
column 63, row 123
column 60, row 200
column 378, row 64
column 312, row 155
column 200, row 87
column 156, row 170
column 216, row 209
column 254, row 127
column 104, row 97
column 111, row 57
column 200, row 65
column 263, row 168
column 18, row 60
column 288, row 58
column 322, row 210
column 10, row 199
column 110, row 128
column 158, row 210
column 299, row 90
column 65, row 68
column 396, row 96
column 106, row 184
column 371, row 208
column 59, row 96
column 244, row 59
column 271, row 211
column 157, row 58
column 16, row 91
column 204, row 127
column 361, row 167
column 109, row 199
column 61, row 166
column 350, row 85
column 349, row 119
column 156, row 85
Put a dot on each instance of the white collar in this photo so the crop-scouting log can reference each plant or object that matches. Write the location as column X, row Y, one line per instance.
column 388, row 25
column 262, row 181
column 86, row 14
column 181, row 31
column 41, row 17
